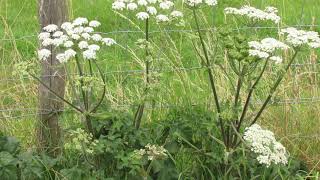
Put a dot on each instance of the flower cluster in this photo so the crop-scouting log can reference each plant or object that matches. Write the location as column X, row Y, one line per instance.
column 72, row 37
column 263, row 143
column 162, row 10
column 195, row 3
column 266, row 48
column 298, row 38
column 81, row 142
column 88, row 82
column 269, row 14
column 153, row 152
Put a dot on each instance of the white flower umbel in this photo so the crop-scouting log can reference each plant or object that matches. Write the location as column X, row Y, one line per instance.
column 147, row 9
column 195, row 3
column 78, row 34
column 43, row 54
column 162, row 18
column 50, row 28
column 265, row 146
column 298, row 38
column 266, row 48
column 269, row 14
column 142, row 16
column 153, row 152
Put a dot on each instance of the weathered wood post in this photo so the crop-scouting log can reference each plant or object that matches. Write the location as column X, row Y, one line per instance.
column 53, row 75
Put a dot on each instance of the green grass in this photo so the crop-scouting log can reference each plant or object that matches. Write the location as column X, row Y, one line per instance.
column 297, row 125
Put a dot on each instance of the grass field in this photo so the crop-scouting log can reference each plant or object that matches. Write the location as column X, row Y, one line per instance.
column 297, row 124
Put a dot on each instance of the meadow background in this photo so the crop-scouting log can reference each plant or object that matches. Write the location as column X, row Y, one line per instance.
column 294, row 117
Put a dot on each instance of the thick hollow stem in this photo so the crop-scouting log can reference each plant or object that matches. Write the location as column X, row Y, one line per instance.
column 85, row 97
column 104, row 88
column 210, row 74
column 54, row 93
column 274, row 88
column 140, row 110
column 247, row 102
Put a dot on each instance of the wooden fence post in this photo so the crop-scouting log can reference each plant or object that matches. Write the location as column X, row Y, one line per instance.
column 53, row 75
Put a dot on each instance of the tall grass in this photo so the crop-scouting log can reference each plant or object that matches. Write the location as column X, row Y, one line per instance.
column 296, row 124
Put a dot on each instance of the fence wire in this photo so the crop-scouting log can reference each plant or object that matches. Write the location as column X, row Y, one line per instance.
column 32, row 112
column 171, row 31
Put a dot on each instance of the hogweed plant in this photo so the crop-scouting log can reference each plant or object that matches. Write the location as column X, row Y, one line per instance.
column 247, row 60
column 148, row 11
column 78, row 44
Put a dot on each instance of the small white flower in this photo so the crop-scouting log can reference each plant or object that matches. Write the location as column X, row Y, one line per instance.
column 57, row 42
column 132, row 6
column 64, row 37
column 62, row 58
column 78, row 30
column 68, row 44
column 70, row 53
column 67, row 26
column 176, row 14
column 142, row 16
column 88, row 29
column 142, row 2
column 51, row 28
column 47, row 42
column 75, row 36
column 94, row 47
column 80, row 21
column 193, row 3
column 162, row 18
column 57, row 34
column 152, row 1
column 94, row 23
column 255, row 14
column 271, row 9
column 211, row 2
column 86, row 36
column 151, row 10
column 43, row 54
column 44, row 35
column 257, row 53
column 118, row 5
column 96, row 37
column 166, row 4
column 89, row 54
column 108, row 41
column 277, row 59
column 83, row 44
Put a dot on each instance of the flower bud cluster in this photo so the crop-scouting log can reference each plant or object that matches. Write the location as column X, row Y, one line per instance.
column 88, row 82
column 81, row 142
column 72, row 37
column 269, row 14
column 162, row 10
column 153, row 152
column 265, row 146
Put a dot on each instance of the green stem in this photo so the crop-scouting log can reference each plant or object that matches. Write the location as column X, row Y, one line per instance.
column 54, row 93
column 81, row 83
column 104, row 89
column 85, row 100
column 140, row 110
column 246, row 105
column 210, row 74
column 273, row 89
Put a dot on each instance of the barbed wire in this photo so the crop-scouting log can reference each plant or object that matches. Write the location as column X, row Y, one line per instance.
column 170, row 31
column 37, row 111
column 141, row 71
